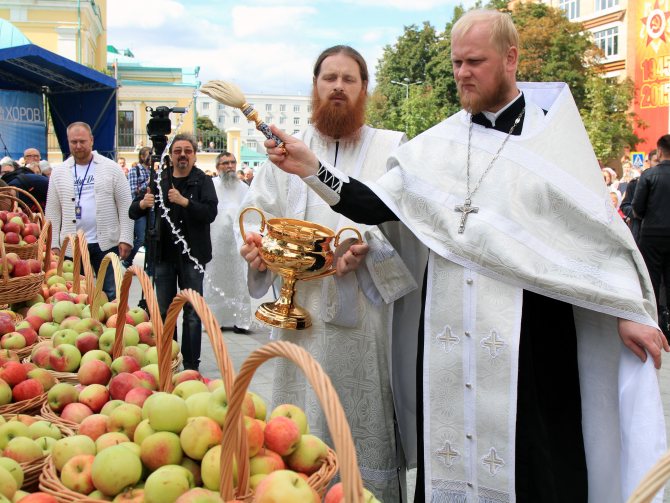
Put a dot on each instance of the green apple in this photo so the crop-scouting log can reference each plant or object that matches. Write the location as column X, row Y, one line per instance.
column 199, row 435
column 96, row 354
column 44, row 428
column 310, row 454
column 211, row 469
column 197, row 404
column 14, row 468
column 294, row 413
column 285, row 485
column 259, row 406
column 8, row 484
column 160, row 449
column 187, row 388
column 218, row 406
column 115, row 469
column 166, row 412
column 60, row 395
column 68, row 447
column 10, row 430
column 5, row 392
column 165, row 485
column 46, row 444
column 142, row 431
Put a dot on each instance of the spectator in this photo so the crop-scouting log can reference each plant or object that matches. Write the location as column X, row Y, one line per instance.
column 248, row 175
column 138, row 179
column 122, row 163
column 31, row 158
column 45, row 168
column 88, row 192
column 24, row 178
column 191, row 198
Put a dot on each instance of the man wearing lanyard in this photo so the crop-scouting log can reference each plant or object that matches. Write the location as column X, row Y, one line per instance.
column 89, row 192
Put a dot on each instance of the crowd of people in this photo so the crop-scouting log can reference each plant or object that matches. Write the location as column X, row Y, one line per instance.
column 478, row 331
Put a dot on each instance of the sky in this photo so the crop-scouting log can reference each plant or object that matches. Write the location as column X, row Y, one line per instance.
column 264, row 46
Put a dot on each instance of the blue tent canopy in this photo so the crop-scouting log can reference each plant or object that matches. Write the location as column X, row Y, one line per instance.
column 75, row 92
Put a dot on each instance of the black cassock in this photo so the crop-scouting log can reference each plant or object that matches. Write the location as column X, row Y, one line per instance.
column 550, row 459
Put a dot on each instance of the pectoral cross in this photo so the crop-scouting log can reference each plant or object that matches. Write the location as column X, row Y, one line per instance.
column 466, row 208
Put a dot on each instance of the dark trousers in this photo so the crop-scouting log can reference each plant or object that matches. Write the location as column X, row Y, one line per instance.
column 656, row 253
column 138, row 238
column 182, row 274
column 96, row 259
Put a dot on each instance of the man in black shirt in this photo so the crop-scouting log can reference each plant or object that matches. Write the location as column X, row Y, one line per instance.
column 189, row 194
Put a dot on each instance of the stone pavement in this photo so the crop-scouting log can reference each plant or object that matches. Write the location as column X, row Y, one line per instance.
column 240, row 346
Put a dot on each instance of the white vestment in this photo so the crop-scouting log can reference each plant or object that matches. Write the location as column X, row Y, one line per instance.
column 227, row 268
column 353, row 344
column 545, row 223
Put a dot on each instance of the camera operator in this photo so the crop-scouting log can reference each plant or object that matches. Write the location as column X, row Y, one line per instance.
column 189, row 194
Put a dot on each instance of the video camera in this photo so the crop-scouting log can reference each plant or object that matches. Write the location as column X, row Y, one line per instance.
column 160, row 124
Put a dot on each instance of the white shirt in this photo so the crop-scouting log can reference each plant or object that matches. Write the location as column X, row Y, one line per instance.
column 85, row 198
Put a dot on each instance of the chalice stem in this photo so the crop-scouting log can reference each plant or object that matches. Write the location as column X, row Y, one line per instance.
column 285, row 301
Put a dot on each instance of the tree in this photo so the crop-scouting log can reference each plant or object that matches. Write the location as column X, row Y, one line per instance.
column 207, row 132
column 204, row 123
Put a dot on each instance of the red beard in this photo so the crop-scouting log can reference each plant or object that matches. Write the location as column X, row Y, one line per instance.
column 338, row 119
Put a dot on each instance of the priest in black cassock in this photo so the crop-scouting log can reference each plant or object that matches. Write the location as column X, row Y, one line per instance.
column 533, row 379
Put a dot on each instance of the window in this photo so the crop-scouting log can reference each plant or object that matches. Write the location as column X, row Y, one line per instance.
column 606, row 4
column 222, row 120
column 250, row 132
column 296, row 108
column 251, row 144
column 296, row 131
column 296, row 121
column 282, row 108
column 309, row 120
column 309, row 109
column 221, row 106
column 236, row 119
column 126, row 128
column 282, row 120
column 268, row 119
column 608, row 41
column 571, row 8
column 268, row 107
column 205, row 105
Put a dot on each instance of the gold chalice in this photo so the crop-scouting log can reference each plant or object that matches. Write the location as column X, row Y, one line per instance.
column 295, row 250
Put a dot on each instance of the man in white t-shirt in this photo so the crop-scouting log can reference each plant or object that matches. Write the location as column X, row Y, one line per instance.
column 89, row 192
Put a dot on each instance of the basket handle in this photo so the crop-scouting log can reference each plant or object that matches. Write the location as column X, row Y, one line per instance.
column 110, row 258
column 152, row 305
column 71, row 240
column 652, row 482
column 44, row 246
column 86, row 263
column 337, row 421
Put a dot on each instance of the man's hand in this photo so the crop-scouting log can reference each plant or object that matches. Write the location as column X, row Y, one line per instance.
column 293, row 156
column 643, row 339
column 124, row 250
column 174, row 196
column 148, row 200
column 250, row 251
column 352, row 258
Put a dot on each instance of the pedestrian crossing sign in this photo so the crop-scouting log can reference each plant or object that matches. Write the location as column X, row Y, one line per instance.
column 637, row 158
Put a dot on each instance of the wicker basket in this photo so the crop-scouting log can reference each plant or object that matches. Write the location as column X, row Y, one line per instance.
column 74, row 242
column 337, row 424
column 9, row 193
column 13, row 290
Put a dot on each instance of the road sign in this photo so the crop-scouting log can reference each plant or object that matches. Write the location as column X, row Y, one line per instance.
column 637, row 158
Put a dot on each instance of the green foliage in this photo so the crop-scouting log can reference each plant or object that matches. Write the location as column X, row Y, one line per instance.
column 204, row 123
column 552, row 49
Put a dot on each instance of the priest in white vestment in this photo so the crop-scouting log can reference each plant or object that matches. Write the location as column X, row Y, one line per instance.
column 530, row 277
column 226, row 291
column 352, row 343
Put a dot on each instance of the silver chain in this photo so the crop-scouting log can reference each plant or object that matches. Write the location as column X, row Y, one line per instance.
column 469, row 194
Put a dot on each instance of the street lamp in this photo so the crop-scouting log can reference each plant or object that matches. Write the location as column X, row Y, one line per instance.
column 406, row 83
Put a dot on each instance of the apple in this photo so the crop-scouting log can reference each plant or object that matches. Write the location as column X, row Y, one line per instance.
column 151, row 368
column 110, row 308
column 14, row 469
column 255, row 434
column 11, row 430
column 125, row 419
column 12, row 238
column 186, row 375
column 136, row 353
column 25, row 390
column 266, row 461
column 259, row 406
column 134, row 495
column 137, row 316
column 121, row 384
column 64, row 308
column 86, row 341
column 36, row 498
column 28, row 334
column 8, row 486
column 137, row 396
column 68, row 265
column 96, row 354
column 64, row 336
column 166, row 412
column 109, row 439
column 93, row 426
column 76, row 412
column 199, row 495
column 285, row 485
column 115, row 469
column 310, row 454
column 6, row 355
column 193, row 467
column 61, row 395
column 282, row 435
column 187, row 388
column 110, row 406
column 45, row 377
column 147, row 380
column 13, row 340
column 151, row 355
column 199, row 435
column 161, row 448
column 197, row 404
column 76, row 474
column 94, row 372
column 217, row 408
column 43, row 428
column 94, row 396
column 6, row 324
column 292, row 412
column 145, row 330
column 166, row 484
column 22, row 450
column 5, row 392
column 64, row 358
column 142, row 431
column 48, row 328
column 126, row 364
column 211, row 469
column 13, row 373
column 88, row 325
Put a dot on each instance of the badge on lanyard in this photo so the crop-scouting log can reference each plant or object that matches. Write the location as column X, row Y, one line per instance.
column 77, row 212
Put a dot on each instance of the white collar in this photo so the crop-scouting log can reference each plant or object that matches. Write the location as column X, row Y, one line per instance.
column 493, row 116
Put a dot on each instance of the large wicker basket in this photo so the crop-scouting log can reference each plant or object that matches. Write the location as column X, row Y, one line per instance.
column 337, row 424
column 13, row 290
column 8, row 195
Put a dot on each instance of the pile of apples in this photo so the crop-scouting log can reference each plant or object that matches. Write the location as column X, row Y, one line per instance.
column 63, row 282
column 13, row 335
column 136, row 442
column 18, row 267
column 17, row 229
column 22, row 381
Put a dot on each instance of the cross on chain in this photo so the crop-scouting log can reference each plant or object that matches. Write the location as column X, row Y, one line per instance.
column 466, row 208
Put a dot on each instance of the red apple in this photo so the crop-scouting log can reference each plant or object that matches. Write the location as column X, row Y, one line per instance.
column 86, row 341
column 76, row 412
column 137, row 396
column 282, row 435
column 95, row 396
column 94, row 372
column 25, row 390
column 76, row 474
column 29, row 335
column 13, row 373
column 121, row 384
column 93, row 426
column 6, row 324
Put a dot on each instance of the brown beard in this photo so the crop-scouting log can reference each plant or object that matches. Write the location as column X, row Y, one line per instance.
column 476, row 103
column 338, row 120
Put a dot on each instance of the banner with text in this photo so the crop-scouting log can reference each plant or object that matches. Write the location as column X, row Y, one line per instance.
column 652, row 68
column 22, row 123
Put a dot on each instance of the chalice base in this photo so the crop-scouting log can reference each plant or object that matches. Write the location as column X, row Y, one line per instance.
column 277, row 314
